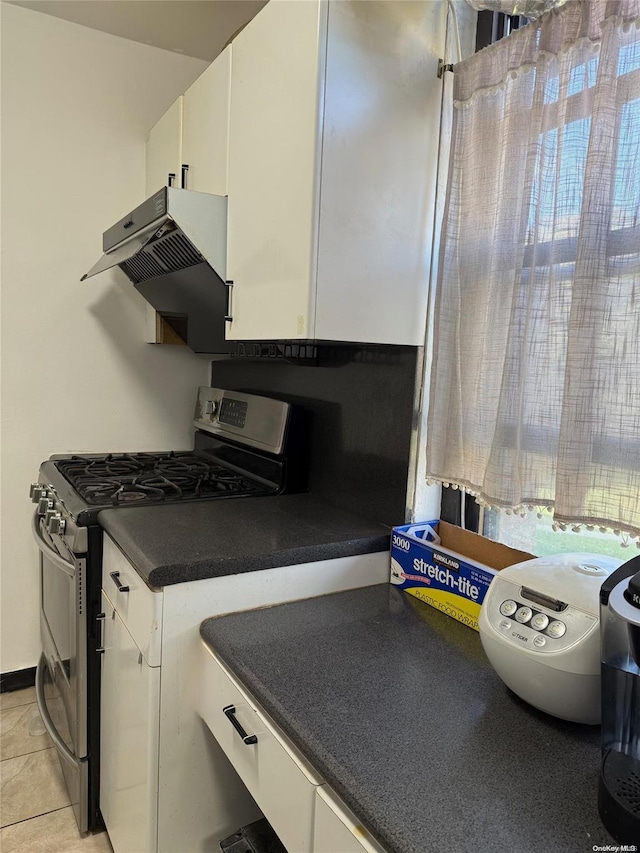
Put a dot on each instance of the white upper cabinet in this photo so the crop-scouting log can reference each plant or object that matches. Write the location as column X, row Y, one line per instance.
column 333, row 142
column 194, row 132
column 274, row 170
column 205, row 128
column 164, row 149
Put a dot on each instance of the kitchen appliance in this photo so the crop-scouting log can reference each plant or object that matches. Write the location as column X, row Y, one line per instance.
column 173, row 247
column 244, row 446
column 539, row 629
column 619, row 787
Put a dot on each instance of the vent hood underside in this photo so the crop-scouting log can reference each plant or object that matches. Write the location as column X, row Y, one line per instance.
column 176, row 258
column 193, row 301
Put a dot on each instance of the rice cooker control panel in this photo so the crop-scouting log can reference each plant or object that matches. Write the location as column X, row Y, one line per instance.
column 530, row 619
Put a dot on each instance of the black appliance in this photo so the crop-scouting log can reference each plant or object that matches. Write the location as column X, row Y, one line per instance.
column 619, row 787
column 245, row 446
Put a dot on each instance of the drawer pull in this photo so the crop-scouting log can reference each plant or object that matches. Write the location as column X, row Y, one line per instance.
column 229, row 713
column 115, row 577
column 99, row 618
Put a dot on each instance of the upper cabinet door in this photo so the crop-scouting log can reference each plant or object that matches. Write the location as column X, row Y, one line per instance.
column 333, row 148
column 277, row 77
column 379, row 164
column 205, row 128
column 164, row 149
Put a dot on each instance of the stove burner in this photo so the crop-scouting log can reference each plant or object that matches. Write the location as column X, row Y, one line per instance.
column 177, row 467
column 111, row 468
column 130, row 494
column 147, row 478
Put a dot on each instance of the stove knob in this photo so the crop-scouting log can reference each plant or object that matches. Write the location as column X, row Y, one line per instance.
column 36, row 492
column 56, row 524
column 44, row 504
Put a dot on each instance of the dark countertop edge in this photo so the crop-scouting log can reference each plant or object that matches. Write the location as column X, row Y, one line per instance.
column 317, row 756
column 209, row 567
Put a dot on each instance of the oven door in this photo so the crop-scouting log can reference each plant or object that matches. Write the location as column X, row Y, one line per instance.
column 61, row 677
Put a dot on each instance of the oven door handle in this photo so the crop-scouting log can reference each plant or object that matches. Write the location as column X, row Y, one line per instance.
column 61, row 746
column 52, row 555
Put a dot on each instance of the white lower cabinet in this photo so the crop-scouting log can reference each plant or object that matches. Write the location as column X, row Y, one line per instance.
column 129, row 738
column 304, row 812
column 167, row 783
column 336, row 829
column 277, row 777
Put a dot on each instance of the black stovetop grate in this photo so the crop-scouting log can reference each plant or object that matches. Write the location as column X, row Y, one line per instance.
column 122, row 479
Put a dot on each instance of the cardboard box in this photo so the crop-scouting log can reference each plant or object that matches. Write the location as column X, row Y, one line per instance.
column 448, row 567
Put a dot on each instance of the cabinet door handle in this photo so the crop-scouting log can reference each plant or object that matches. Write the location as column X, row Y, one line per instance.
column 115, row 577
column 171, row 178
column 228, row 315
column 184, row 169
column 100, row 617
column 229, row 713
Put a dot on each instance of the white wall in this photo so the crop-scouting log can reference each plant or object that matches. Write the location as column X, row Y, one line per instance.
column 77, row 106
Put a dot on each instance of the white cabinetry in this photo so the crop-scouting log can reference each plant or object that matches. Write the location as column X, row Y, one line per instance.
column 165, row 786
column 304, row 812
column 333, row 139
column 337, row 829
column 205, row 128
column 277, row 777
column 153, row 651
column 129, row 738
column 164, row 149
column 194, row 132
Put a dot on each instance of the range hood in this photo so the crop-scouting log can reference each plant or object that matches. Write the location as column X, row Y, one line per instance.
column 173, row 248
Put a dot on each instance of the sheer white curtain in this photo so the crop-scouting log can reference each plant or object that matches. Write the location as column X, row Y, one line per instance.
column 535, row 386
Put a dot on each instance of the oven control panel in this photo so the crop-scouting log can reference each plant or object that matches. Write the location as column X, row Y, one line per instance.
column 52, row 516
column 233, row 412
column 249, row 419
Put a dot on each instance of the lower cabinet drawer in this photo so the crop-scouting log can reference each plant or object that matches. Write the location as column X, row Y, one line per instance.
column 281, row 782
column 139, row 607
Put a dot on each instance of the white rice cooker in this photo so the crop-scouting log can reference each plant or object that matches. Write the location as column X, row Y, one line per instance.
column 539, row 626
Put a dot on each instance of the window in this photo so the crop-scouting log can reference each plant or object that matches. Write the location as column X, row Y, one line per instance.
column 534, row 398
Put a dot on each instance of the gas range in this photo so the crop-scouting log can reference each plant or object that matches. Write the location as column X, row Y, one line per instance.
column 244, row 446
column 128, row 479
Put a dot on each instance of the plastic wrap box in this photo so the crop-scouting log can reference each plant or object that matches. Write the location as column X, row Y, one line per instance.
column 448, row 567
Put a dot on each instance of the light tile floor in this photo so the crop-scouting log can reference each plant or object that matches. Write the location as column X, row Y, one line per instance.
column 35, row 811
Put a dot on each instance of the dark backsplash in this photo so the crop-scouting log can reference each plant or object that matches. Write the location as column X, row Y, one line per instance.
column 359, row 402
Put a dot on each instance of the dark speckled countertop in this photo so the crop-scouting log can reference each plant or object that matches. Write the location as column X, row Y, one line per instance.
column 397, row 707
column 176, row 543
